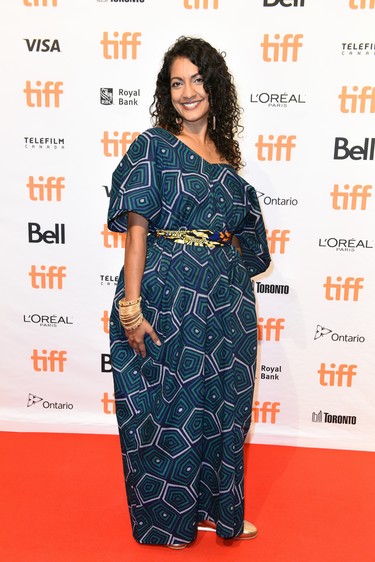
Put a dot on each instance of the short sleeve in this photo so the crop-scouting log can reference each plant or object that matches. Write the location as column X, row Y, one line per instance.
column 135, row 185
column 252, row 235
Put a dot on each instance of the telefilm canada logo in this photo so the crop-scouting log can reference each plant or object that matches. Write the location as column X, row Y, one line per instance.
column 44, row 143
column 121, row 96
column 108, row 280
column 277, row 100
column 356, row 49
column 47, row 320
column 323, row 332
column 282, row 201
column 326, row 417
column 345, row 244
column 34, row 400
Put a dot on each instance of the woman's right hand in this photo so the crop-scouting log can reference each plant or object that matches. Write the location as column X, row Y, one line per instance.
column 136, row 338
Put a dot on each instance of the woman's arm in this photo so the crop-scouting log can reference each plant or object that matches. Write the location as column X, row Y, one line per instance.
column 134, row 265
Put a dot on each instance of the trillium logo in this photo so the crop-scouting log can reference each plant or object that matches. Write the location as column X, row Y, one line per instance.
column 33, row 399
column 321, row 331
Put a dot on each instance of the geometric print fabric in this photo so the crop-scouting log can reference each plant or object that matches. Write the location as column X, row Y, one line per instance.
column 184, row 410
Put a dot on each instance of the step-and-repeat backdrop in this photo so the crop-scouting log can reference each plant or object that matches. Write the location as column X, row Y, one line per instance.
column 78, row 80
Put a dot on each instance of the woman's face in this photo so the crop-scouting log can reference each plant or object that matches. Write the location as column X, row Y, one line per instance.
column 189, row 97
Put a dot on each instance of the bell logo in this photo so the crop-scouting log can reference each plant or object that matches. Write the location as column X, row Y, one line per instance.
column 36, row 234
column 357, row 102
column 52, row 361
column 361, row 4
column 286, row 48
column 343, row 290
column 119, row 48
column 340, row 376
column 109, row 405
column 51, row 278
column 117, row 146
column 270, row 329
column 275, row 150
column 277, row 239
column 197, row 4
column 113, row 239
column 43, row 95
column 36, row 3
column 357, row 152
column 352, row 198
column 105, row 320
column 284, row 4
column 266, row 412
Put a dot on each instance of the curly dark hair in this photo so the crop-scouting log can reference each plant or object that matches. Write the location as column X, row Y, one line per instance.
column 222, row 96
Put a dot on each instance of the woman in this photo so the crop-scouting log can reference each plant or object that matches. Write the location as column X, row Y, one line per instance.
column 183, row 334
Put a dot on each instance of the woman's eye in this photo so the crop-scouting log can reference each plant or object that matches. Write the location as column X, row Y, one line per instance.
column 199, row 80
column 175, row 84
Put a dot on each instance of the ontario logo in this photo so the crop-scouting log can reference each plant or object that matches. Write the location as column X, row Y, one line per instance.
column 33, row 399
column 322, row 332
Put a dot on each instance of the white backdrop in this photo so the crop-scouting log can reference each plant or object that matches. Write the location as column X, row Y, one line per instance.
column 78, row 78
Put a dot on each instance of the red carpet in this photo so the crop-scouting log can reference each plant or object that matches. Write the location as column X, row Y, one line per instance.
column 63, row 499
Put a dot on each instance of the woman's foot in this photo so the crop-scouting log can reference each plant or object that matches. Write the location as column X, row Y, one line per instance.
column 176, row 546
column 249, row 530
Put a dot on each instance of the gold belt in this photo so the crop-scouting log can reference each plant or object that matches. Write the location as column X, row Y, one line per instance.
column 206, row 238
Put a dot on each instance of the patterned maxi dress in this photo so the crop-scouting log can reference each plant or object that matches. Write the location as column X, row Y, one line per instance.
column 184, row 410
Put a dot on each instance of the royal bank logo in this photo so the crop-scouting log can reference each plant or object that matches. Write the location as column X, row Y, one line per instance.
column 277, row 100
column 33, row 399
column 358, row 49
column 282, row 201
column 106, row 96
column 271, row 373
column 44, row 143
column 323, row 332
column 326, row 417
column 345, row 244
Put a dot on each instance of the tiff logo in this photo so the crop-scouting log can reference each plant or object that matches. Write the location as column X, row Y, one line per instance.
column 343, row 290
column 51, row 278
column 43, row 96
column 49, row 190
column 352, row 198
column 277, row 239
column 116, row 146
column 36, row 3
column 109, row 405
column 270, row 329
column 105, row 320
column 336, row 376
column 357, row 102
column 197, row 4
column 49, row 361
column 283, row 50
column 361, row 4
column 119, row 48
column 266, row 412
column 275, row 150
column 113, row 239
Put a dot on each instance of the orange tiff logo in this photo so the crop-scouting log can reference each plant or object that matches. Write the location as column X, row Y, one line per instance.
column 352, row 198
column 277, row 240
column 117, row 145
column 340, row 376
column 43, row 95
column 266, row 412
column 280, row 149
column 36, row 3
column 51, row 361
column 270, row 329
column 354, row 102
column 117, row 48
column 47, row 278
column 346, row 290
column 109, row 405
column 45, row 190
column 197, row 4
column 361, row 4
column 105, row 320
column 285, row 49
column 113, row 239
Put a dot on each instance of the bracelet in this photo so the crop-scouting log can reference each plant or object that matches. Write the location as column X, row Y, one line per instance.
column 125, row 303
column 133, row 324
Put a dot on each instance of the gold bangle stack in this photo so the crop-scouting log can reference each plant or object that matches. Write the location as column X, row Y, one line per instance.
column 130, row 313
